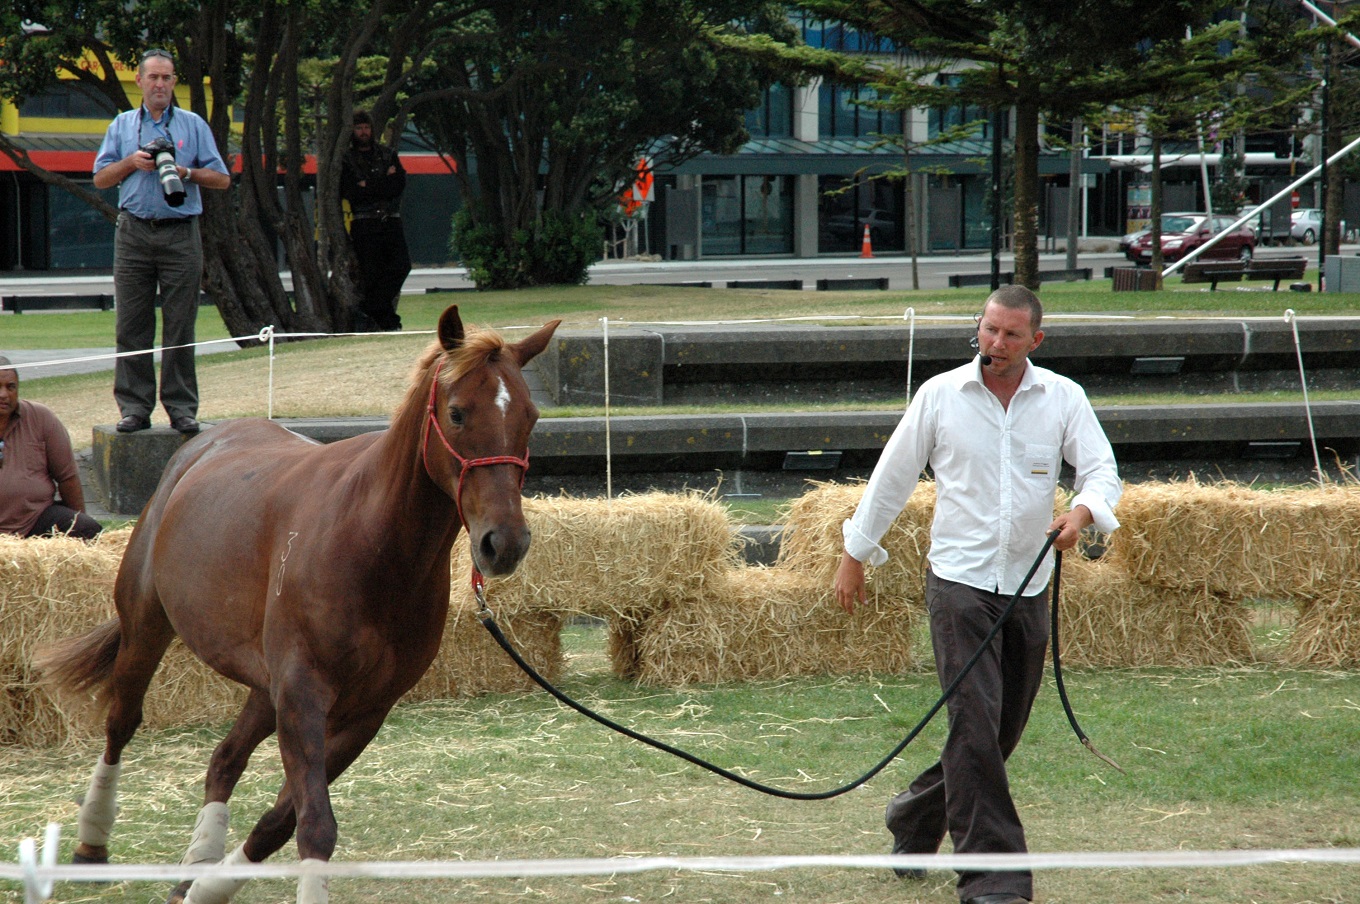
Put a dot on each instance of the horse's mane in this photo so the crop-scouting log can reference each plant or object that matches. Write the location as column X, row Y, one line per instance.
column 477, row 349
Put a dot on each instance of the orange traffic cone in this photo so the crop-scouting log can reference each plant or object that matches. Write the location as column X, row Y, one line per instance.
column 866, row 248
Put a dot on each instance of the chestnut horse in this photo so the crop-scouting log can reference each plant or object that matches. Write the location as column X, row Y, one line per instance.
column 315, row 575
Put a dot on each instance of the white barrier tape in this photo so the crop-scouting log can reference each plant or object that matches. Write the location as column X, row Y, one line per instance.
column 910, row 316
column 608, row 438
column 1292, row 319
column 459, row 869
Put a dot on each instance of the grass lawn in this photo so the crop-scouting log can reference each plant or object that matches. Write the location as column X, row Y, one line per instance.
column 1240, row 757
column 1237, row 758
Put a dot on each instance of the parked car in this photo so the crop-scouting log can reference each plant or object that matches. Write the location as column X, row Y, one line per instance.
column 1182, row 233
column 1305, row 225
column 1132, row 237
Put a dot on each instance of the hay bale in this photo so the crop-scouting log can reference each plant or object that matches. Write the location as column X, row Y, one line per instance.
column 764, row 623
column 470, row 662
column 813, row 544
column 1327, row 628
column 1109, row 619
column 1236, row 541
column 55, row 588
column 49, row 588
column 621, row 560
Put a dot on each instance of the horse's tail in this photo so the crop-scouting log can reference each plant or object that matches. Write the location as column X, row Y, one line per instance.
column 81, row 663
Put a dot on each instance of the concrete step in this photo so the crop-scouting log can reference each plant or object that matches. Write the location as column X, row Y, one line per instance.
column 771, row 449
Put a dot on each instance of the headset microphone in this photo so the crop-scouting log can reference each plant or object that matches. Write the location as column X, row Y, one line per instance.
column 984, row 359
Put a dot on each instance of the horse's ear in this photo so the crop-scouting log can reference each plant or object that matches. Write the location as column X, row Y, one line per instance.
column 450, row 328
column 531, row 345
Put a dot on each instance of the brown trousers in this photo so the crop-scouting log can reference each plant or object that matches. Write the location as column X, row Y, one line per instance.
column 967, row 792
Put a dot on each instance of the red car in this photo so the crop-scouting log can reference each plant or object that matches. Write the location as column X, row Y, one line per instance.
column 1184, row 232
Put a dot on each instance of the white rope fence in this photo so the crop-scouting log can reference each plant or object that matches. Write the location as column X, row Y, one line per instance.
column 39, row 874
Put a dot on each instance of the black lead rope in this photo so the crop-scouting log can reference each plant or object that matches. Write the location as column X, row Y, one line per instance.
column 1057, row 666
column 489, row 622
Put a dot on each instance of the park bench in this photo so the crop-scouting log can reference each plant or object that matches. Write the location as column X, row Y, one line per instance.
column 959, row 280
column 1215, row 272
column 20, row 303
column 1276, row 270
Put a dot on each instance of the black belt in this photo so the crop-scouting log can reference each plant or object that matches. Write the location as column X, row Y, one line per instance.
column 157, row 223
column 376, row 215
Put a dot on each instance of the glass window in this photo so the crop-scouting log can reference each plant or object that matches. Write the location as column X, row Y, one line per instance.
column 768, row 216
column 78, row 235
column 721, row 215
column 843, row 113
column 68, row 100
column 843, row 215
column 747, row 215
column 774, row 117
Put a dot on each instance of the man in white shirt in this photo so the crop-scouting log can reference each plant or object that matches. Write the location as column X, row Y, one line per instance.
column 995, row 433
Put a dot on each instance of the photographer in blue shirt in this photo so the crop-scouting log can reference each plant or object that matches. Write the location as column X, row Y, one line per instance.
column 159, row 155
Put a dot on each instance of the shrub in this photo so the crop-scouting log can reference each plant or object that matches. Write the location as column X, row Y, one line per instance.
column 558, row 251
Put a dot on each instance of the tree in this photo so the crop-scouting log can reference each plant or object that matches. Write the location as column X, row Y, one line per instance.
column 251, row 55
column 546, row 105
column 1031, row 58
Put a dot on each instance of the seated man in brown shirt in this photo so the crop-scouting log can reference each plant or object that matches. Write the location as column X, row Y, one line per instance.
column 36, row 463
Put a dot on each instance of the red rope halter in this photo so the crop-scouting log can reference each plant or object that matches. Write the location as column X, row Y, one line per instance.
column 465, row 465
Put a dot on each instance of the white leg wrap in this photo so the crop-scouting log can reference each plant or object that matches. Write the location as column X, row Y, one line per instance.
column 100, row 806
column 209, row 841
column 314, row 889
column 212, row 890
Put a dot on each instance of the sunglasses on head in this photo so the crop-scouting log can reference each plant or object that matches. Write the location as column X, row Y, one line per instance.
column 157, row 52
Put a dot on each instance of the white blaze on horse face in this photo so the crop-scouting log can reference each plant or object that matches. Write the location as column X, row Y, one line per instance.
column 503, row 403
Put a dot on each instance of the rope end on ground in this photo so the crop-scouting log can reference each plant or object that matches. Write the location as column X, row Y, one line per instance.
column 1091, row 747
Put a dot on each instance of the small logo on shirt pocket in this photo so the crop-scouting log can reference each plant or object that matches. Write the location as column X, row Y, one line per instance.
column 1041, row 461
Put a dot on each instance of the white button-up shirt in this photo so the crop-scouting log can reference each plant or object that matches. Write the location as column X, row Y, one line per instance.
column 996, row 473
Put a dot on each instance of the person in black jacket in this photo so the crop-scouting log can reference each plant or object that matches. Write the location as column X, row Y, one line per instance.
column 372, row 182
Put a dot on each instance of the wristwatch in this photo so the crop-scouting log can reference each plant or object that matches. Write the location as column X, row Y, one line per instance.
column 188, row 174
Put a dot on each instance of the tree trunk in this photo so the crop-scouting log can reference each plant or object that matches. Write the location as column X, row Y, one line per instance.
column 1027, row 193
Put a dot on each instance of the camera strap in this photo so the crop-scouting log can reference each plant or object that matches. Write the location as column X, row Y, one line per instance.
column 161, row 128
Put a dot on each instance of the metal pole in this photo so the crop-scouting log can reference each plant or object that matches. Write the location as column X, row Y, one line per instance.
column 1260, row 207
column 996, row 199
column 1322, row 182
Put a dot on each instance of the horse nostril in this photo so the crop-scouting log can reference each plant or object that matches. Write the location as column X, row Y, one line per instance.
column 489, row 546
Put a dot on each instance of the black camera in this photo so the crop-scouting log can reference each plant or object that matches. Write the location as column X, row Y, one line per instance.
column 163, row 153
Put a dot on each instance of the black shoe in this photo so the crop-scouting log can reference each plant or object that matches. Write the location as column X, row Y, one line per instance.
column 909, row 872
column 998, row 898
column 185, row 423
column 132, row 423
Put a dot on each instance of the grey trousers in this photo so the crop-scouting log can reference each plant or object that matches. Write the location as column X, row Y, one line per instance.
column 967, row 792
column 150, row 259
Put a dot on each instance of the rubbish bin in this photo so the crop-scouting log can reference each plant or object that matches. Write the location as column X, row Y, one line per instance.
column 1134, row 279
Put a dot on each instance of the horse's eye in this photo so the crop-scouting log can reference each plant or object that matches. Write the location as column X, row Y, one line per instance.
column 456, row 416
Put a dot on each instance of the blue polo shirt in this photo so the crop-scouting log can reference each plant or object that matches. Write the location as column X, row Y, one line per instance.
column 140, row 194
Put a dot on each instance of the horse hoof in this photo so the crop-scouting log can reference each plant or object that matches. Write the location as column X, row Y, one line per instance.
column 179, row 893
column 90, row 853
